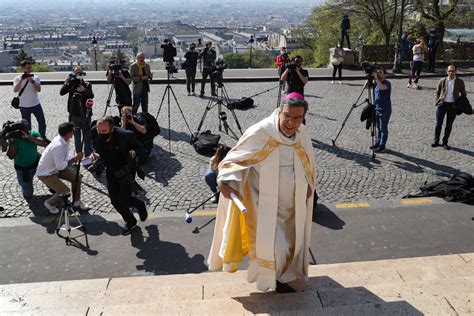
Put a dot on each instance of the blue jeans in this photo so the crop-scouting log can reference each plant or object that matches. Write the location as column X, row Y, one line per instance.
column 37, row 111
column 211, row 180
column 26, row 186
column 381, row 121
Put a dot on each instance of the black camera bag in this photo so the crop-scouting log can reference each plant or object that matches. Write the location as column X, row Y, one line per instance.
column 242, row 104
column 152, row 127
column 205, row 143
column 16, row 100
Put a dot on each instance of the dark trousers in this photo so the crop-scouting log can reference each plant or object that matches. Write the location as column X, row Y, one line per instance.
column 121, row 198
column 445, row 109
column 140, row 98
column 207, row 72
column 431, row 60
column 337, row 68
column 345, row 33
column 37, row 111
column 416, row 67
column 190, row 79
column 82, row 131
column 211, row 180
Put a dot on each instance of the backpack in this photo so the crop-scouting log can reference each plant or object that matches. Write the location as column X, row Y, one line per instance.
column 152, row 127
column 205, row 143
column 242, row 104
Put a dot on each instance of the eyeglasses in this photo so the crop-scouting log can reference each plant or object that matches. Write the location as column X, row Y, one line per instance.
column 451, row 70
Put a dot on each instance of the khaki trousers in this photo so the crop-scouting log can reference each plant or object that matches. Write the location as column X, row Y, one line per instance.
column 54, row 182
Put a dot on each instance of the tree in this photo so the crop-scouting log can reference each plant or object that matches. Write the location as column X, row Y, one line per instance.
column 22, row 56
column 435, row 11
column 41, row 68
column 384, row 14
column 260, row 59
column 307, row 54
column 235, row 60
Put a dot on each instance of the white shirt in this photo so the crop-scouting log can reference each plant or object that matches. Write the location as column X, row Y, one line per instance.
column 450, row 91
column 417, row 49
column 29, row 98
column 54, row 158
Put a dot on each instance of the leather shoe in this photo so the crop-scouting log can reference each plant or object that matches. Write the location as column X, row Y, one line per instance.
column 435, row 145
column 284, row 288
column 445, row 146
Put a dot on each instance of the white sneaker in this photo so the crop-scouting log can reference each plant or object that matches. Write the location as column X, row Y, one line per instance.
column 340, row 82
column 81, row 206
column 52, row 209
column 332, row 81
column 214, row 199
column 408, row 85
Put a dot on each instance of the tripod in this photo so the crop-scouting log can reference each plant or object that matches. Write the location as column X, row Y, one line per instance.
column 221, row 99
column 66, row 212
column 368, row 100
column 280, row 88
column 111, row 92
column 167, row 93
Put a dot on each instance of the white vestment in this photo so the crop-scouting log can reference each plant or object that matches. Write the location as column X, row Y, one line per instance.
column 272, row 173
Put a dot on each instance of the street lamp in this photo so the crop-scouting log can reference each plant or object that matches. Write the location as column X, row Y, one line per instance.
column 94, row 44
column 397, row 63
column 250, row 42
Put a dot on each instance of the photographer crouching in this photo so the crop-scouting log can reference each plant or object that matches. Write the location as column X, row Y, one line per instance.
column 79, row 92
column 22, row 146
column 118, row 149
column 121, row 79
column 295, row 76
column 137, row 125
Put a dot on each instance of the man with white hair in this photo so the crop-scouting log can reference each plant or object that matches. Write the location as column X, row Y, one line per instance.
column 141, row 77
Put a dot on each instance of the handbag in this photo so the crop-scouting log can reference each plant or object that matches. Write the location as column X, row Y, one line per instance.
column 205, row 143
column 336, row 60
column 16, row 100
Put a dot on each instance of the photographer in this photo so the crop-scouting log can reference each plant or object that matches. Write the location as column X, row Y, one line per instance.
column 383, row 107
column 24, row 152
column 29, row 100
column 118, row 149
column 141, row 75
column 296, row 76
column 121, row 79
column 282, row 61
column 137, row 125
column 190, row 67
column 79, row 92
column 53, row 166
column 169, row 51
column 208, row 56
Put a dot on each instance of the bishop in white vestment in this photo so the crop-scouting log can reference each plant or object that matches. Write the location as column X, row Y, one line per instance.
column 272, row 171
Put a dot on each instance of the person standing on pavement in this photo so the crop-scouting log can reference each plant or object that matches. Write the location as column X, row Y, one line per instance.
column 447, row 94
column 141, row 75
column 53, row 166
column 405, row 47
column 383, row 108
column 208, row 56
column 417, row 64
column 29, row 99
column 119, row 149
column 24, row 152
column 337, row 60
column 79, row 92
column 433, row 43
column 296, row 76
column 190, row 69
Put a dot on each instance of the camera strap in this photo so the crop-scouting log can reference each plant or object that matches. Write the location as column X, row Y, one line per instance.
column 23, row 89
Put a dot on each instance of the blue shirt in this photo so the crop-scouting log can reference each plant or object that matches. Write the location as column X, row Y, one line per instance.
column 382, row 98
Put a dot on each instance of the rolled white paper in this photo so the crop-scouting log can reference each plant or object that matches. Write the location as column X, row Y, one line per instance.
column 237, row 202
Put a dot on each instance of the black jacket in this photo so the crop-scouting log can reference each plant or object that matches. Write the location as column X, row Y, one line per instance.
column 368, row 114
column 116, row 156
column 463, row 106
column 74, row 96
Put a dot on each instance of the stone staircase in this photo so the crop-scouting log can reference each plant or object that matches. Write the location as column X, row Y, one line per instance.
column 439, row 285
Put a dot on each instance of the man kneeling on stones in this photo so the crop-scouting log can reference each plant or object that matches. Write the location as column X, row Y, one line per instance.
column 272, row 171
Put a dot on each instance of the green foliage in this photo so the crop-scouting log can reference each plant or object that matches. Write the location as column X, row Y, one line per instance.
column 307, row 54
column 260, row 59
column 41, row 68
column 123, row 58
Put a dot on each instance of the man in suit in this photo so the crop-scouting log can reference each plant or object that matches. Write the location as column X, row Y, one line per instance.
column 141, row 75
column 447, row 94
column 118, row 148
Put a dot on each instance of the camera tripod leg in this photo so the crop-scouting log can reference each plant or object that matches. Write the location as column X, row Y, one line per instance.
column 161, row 103
column 181, row 111
column 344, row 124
column 279, row 94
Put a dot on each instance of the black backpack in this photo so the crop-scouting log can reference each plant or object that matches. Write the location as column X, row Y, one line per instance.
column 205, row 143
column 152, row 127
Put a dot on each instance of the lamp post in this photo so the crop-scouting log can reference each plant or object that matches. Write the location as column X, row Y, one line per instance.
column 94, row 44
column 250, row 42
column 397, row 64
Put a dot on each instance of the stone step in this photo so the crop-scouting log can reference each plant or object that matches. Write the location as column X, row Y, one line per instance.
column 50, row 312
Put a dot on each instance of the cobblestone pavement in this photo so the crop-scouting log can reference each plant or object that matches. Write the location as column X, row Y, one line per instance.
column 174, row 182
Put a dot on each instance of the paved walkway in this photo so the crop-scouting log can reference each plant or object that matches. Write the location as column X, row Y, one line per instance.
column 346, row 173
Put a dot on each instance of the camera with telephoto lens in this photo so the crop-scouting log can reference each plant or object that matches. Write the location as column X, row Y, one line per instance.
column 26, row 75
column 218, row 70
column 75, row 80
column 115, row 67
column 293, row 63
column 10, row 131
column 368, row 67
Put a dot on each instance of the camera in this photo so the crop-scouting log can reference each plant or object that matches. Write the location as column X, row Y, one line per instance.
column 218, row 70
column 369, row 68
column 115, row 68
column 171, row 68
column 128, row 117
column 26, row 75
column 293, row 63
column 10, row 130
column 75, row 80
column 97, row 167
